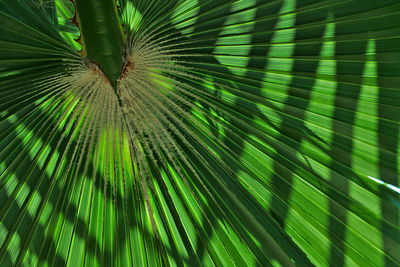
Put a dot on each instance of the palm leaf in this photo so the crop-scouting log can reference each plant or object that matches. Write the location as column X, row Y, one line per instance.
column 242, row 133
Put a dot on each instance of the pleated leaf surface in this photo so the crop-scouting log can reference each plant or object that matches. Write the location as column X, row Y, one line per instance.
column 244, row 133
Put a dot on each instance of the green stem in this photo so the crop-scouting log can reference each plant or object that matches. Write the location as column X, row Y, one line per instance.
column 102, row 37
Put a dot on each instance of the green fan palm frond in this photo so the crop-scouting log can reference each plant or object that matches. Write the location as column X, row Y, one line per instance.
column 199, row 133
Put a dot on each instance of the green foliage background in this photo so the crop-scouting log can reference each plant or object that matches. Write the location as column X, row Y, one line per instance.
column 287, row 152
